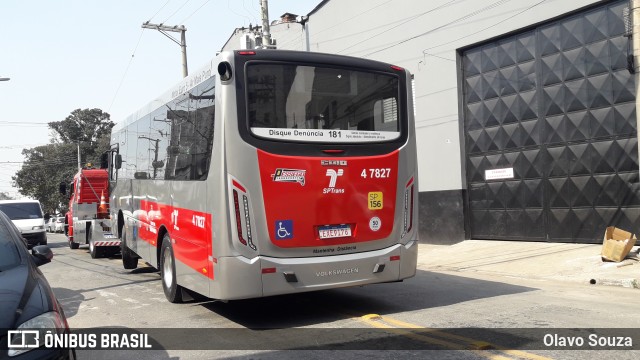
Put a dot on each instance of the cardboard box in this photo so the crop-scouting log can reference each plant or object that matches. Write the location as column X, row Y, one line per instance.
column 617, row 244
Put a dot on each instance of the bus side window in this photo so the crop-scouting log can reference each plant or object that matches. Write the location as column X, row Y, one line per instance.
column 204, row 102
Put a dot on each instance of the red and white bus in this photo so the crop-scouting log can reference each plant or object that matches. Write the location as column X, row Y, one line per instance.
column 271, row 172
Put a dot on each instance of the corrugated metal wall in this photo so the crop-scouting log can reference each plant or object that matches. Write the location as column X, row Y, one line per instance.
column 557, row 105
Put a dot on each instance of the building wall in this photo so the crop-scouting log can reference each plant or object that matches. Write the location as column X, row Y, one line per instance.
column 425, row 37
column 425, row 40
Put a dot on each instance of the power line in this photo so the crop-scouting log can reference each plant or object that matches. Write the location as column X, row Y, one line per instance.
column 472, row 14
column 157, row 12
column 198, row 9
column 133, row 54
column 230, row 9
column 23, row 123
column 488, row 27
column 403, row 23
column 349, row 19
column 175, row 12
column 125, row 71
column 249, row 12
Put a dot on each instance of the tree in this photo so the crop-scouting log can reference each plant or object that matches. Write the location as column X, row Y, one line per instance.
column 5, row 196
column 89, row 128
column 45, row 167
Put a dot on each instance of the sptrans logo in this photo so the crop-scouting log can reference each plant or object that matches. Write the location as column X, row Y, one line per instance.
column 289, row 175
column 333, row 177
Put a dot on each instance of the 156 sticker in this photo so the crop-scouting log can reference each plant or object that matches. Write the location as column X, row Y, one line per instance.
column 374, row 200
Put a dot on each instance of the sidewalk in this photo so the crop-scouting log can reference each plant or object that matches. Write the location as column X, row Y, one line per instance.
column 532, row 260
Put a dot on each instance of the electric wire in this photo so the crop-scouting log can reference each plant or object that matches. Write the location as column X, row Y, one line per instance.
column 125, row 71
column 134, row 53
column 249, row 12
column 488, row 27
column 157, row 12
column 193, row 13
column 465, row 17
column 405, row 22
column 241, row 15
column 346, row 20
column 175, row 12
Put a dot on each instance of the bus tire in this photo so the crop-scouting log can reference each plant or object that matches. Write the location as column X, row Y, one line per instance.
column 172, row 290
column 129, row 258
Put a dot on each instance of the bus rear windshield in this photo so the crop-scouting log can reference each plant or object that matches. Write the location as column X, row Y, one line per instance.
column 320, row 104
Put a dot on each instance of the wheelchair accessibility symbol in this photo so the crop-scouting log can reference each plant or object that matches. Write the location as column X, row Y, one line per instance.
column 284, row 229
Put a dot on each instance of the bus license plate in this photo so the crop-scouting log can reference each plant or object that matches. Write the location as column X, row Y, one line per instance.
column 330, row 232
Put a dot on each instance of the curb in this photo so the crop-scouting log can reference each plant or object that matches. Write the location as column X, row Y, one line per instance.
column 627, row 283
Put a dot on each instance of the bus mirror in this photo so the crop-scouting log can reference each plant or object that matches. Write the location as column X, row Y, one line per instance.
column 117, row 161
column 63, row 188
column 157, row 164
column 224, row 70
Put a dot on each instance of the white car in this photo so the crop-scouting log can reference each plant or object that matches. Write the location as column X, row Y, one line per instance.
column 58, row 226
column 28, row 217
column 50, row 224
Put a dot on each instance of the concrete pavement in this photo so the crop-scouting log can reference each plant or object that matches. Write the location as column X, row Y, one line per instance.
column 534, row 260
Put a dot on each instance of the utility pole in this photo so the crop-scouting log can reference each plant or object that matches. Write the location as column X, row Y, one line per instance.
column 264, row 13
column 79, row 161
column 183, row 40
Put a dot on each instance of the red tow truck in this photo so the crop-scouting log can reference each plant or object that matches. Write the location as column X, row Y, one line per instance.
column 87, row 221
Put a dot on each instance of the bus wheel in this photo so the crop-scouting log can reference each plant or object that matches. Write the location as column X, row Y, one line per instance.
column 129, row 259
column 172, row 290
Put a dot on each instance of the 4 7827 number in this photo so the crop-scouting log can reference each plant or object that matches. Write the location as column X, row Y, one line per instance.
column 376, row 173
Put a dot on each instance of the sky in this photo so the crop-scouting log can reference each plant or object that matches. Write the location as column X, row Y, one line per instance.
column 82, row 54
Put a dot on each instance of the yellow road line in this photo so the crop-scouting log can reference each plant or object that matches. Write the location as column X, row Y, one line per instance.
column 373, row 320
column 477, row 347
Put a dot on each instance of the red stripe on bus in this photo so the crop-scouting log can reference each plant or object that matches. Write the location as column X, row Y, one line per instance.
column 410, row 182
column 237, row 185
column 189, row 229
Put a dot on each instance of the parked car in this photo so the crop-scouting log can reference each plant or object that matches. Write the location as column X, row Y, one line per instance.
column 50, row 224
column 28, row 217
column 27, row 299
column 58, row 225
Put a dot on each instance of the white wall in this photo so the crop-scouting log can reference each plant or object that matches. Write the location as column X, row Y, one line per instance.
column 422, row 36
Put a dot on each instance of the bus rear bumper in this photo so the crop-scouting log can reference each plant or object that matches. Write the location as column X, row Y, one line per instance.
column 293, row 275
column 307, row 274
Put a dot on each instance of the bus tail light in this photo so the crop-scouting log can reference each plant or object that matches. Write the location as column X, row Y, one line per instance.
column 242, row 212
column 408, row 207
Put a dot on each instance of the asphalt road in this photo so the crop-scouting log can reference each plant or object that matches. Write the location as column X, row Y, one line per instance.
column 435, row 314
